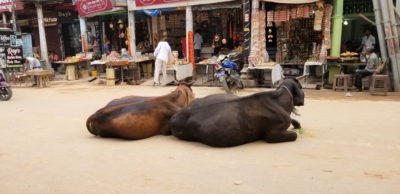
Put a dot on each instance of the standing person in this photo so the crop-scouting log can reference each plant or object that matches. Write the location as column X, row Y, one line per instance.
column 198, row 40
column 106, row 47
column 31, row 64
column 163, row 56
column 372, row 64
column 367, row 40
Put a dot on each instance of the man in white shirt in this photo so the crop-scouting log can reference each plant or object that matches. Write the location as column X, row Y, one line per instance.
column 163, row 56
column 198, row 40
column 372, row 64
column 31, row 64
column 368, row 40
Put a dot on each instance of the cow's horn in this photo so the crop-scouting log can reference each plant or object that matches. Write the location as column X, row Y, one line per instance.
column 190, row 83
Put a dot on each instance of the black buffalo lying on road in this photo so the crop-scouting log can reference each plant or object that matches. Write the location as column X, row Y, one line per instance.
column 224, row 120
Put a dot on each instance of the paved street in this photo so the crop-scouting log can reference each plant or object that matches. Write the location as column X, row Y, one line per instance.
column 348, row 145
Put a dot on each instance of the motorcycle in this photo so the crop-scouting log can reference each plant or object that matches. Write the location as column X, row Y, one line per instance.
column 5, row 89
column 228, row 72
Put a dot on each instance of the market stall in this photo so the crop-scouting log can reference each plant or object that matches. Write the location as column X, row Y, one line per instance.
column 120, row 66
column 43, row 79
column 298, row 36
column 76, row 67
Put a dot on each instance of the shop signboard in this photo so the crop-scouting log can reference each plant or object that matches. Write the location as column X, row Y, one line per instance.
column 49, row 20
column 10, row 49
column 154, row 2
column 86, row 7
column 122, row 3
column 5, row 5
column 67, row 16
column 159, row 4
column 13, row 56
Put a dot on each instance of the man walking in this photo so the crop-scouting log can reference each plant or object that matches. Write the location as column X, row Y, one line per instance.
column 198, row 40
column 163, row 55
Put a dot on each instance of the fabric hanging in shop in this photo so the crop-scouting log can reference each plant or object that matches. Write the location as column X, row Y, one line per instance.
column 290, row 2
column 156, row 12
column 229, row 5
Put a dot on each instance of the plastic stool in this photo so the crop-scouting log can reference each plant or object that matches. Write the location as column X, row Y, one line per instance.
column 346, row 79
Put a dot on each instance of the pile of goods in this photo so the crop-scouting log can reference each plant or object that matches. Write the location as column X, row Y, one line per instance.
column 144, row 57
column 212, row 60
column 75, row 59
column 349, row 57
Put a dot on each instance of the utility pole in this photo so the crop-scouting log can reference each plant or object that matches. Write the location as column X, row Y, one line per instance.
column 13, row 16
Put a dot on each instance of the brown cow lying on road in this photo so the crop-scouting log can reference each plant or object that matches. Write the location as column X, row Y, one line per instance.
column 135, row 117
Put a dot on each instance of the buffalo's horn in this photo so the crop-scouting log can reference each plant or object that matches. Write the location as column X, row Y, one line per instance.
column 301, row 77
column 282, row 75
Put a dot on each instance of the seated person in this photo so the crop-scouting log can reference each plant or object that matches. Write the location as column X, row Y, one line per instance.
column 54, row 58
column 96, row 54
column 372, row 64
column 124, row 54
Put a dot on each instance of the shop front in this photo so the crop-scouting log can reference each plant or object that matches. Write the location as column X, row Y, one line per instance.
column 69, row 32
column 296, row 37
column 214, row 22
column 178, row 24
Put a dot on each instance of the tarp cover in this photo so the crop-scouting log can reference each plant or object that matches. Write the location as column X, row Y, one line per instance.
column 234, row 4
column 290, row 1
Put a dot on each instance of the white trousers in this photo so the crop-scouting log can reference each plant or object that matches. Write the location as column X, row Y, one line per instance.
column 158, row 65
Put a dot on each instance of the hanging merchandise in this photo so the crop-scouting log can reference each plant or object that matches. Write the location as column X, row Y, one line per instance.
column 306, row 12
column 293, row 13
column 327, row 26
column 319, row 14
column 270, row 18
column 262, row 35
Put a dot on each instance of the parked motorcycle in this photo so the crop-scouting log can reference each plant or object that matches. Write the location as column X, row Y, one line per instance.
column 228, row 72
column 5, row 89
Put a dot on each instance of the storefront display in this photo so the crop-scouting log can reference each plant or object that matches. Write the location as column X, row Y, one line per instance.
column 302, row 32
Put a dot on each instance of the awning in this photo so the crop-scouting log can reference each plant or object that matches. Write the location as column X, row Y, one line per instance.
column 113, row 11
column 132, row 5
column 234, row 4
column 291, row 1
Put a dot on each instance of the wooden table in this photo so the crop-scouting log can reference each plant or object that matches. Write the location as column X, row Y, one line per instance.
column 71, row 64
column 120, row 64
column 43, row 77
column 132, row 64
column 98, row 64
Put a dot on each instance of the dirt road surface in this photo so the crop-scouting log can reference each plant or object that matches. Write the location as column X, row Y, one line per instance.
column 348, row 145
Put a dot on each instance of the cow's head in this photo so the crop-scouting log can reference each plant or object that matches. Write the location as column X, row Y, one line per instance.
column 186, row 89
column 295, row 89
